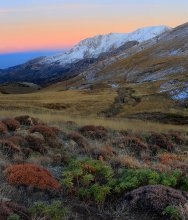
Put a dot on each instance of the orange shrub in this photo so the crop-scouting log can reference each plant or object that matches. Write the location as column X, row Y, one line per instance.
column 11, row 124
column 46, row 131
column 107, row 151
column 168, row 158
column 31, row 175
column 3, row 128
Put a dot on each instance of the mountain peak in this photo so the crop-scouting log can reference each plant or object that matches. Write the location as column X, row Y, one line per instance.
column 94, row 46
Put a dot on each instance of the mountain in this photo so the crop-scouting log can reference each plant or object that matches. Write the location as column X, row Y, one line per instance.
column 149, row 77
column 48, row 70
column 93, row 47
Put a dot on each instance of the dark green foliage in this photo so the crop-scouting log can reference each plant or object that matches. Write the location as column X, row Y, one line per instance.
column 54, row 211
column 14, row 217
column 88, row 178
column 173, row 213
column 132, row 179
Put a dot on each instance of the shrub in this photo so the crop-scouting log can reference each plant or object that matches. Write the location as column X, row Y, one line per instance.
column 54, row 211
column 88, row 178
column 132, row 179
column 8, row 210
column 14, row 217
column 36, row 144
column 176, row 137
column 128, row 161
column 94, row 132
column 162, row 141
column 173, row 212
column 26, row 120
column 11, row 124
column 31, row 175
column 107, row 151
column 134, row 144
column 9, row 148
column 80, row 140
column 3, row 128
column 169, row 158
column 18, row 140
column 46, row 131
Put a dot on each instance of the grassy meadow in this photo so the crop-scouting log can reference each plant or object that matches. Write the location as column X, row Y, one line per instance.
column 84, row 107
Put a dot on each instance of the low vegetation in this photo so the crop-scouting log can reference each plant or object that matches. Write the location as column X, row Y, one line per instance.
column 78, row 171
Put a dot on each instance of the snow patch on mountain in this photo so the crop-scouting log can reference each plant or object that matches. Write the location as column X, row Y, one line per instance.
column 93, row 47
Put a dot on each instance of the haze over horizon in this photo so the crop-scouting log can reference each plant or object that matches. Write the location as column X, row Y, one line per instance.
column 48, row 26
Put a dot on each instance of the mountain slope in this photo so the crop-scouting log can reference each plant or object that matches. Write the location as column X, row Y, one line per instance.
column 47, row 70
column 93, row 47
column 153, row 60
column 150, row 79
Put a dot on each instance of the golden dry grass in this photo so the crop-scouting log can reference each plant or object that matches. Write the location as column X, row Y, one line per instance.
column 57, row 119
column 84, row 107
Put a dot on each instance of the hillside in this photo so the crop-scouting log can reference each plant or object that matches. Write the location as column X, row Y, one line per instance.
column 19, row 88
column 47, row 70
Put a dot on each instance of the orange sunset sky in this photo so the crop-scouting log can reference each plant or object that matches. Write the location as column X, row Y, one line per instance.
column 57, row 24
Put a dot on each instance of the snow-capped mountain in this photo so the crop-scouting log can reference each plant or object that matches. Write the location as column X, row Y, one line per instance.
column 93, row 47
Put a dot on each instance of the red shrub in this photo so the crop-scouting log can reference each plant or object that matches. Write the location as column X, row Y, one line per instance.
column 18, row 140
column 176, row 137
column 80, row 140
column 46, row 131
column 31, row 175
column 27, row 120
column 135, row 144
column 168, row 158
column 3, row 128
column 162, row 141
column 9, row 148
column 36, row 144
column 107, row 151
column 94, row 132
column 11, row 124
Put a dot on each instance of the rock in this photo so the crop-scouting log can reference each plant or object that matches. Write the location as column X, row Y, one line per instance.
column 22, row 133
column 154, row 199
column 37, row 135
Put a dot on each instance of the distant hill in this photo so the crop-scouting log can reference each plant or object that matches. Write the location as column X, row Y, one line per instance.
column 19, row 88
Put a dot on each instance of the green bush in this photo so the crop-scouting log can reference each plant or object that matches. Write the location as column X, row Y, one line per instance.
column 54, row 211
column 88, row 178
column 14, row 217
column 132, row 179
column 94, row 180
column 184, row 185
column 173, row 212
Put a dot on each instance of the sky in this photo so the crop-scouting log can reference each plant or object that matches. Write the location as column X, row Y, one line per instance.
column 50, row 25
